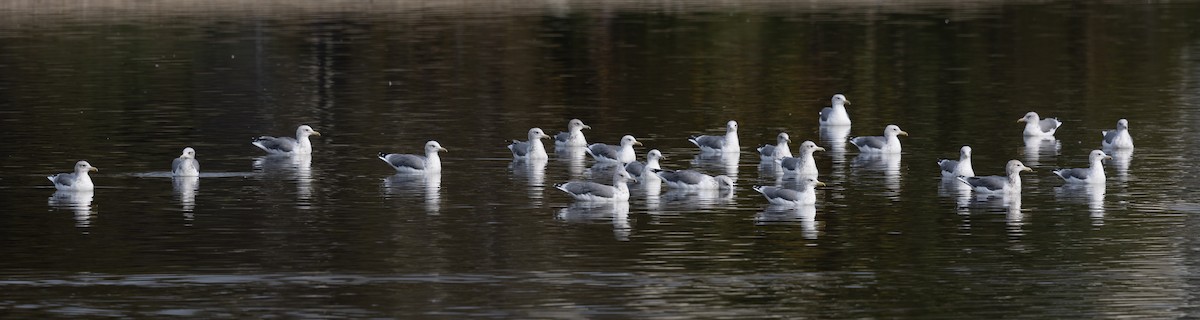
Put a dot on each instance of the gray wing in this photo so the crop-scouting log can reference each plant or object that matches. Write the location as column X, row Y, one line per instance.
column 1109, row 136
column 603, row 150
column 990, row 182
column 790, row 163
column 635, row 168
column 1080, row 173
column 65, row 179
column 519, row 148
column 1048, row 124
column 682, row 176
column 767, row 150
column 562, row 137
column 284, row 144
column 714, row 142
column 405, row 160
column 870, row 142
column 948, row 165
column 587, row 187
column 780, row 193
column 179, row 163
column 825, row 113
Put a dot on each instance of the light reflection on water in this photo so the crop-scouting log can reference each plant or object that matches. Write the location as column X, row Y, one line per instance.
column 338, row 234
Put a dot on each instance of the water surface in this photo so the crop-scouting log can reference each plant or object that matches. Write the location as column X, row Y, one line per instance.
column 338, row 234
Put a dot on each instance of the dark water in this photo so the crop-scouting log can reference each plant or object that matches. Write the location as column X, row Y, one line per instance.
column 128, row 85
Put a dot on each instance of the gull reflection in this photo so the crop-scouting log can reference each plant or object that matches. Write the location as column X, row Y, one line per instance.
column 805, row 215
column 1120, row 162
column 888, row 163
column 300, row 167
column 535, row 171
column 1014, row 216
column 406, row 184
column 587, row 212
column 1091, row 194
column 574, row 158
column 697, row 198
column 185, row 188
column 835, row 138
column 651, row 186
column 719, row 162
column 79, row 202
column 1036, row 147
column 951, row 187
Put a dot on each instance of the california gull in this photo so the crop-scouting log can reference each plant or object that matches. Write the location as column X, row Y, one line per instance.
column 715, row 144
column 1038, row 127
column 1092, row 174
column 530, row 149
column 75, row 181
column 835, row 114
column 888, row 143
column 960, row 167
column 411, row 163
column 999, row 184
column 186, row 165
column 288, row 145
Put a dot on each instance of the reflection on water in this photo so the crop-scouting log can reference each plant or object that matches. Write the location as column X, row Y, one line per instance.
column 804, row 215
column 1090, row 194
column 336, row 235
column 185, row 188
column 78, row 202
column 534, row 171
column 586, row 212
column 427, row 185
column 297, row 168
column 1120, row 162
column 876, row 164
column 1038, row 147
column 715, row 164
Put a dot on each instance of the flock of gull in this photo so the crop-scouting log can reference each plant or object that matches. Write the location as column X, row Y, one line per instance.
column 622, row 156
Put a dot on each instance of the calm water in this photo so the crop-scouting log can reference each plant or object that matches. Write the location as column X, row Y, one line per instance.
column 128, row 85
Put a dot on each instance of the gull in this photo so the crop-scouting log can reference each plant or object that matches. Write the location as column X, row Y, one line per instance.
column 789, row 197
column 186, row 165
column 75, row 181
column 1037, row 127
column 999, row 184
column 411, row 163
column 1119, row 138
column 777, row 151
column 1091, row 174
column 716, row 144
column 888, row 143
column 574, row 135
column 530, row 149
column 960, row 167
column 619, row 154
column 596, row 192
column 287, row 145
column 803, row 165
column 835, row 115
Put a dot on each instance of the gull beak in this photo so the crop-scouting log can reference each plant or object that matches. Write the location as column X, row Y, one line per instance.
column 1021, row 120
column 847, row 101
column 1028, row 169
column 819, row 149
column 820, row 184
column 94, row 169
column 587, row 126
column 903, row 133
column 544, row 136
column 1107, row 157
column 316, row 133
column 637, row 142
column 443, row 149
